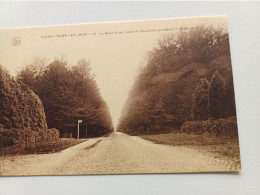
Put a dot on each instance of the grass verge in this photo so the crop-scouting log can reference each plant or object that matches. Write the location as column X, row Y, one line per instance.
column 220, row 146
column 41, row 148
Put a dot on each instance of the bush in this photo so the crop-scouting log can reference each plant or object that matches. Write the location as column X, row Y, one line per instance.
column 20, row 107
column 27, row 137
column 15, row 137
column 53, row 135
column 66, row 135
column 219, row 127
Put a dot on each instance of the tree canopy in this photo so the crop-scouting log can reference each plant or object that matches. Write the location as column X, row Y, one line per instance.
column 69, row 94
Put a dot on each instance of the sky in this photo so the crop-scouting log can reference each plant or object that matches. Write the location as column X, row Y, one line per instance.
column 115, row 50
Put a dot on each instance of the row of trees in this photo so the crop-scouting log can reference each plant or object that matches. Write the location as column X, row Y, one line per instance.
column 68, row 94
column 174, row 85
column 52, row 96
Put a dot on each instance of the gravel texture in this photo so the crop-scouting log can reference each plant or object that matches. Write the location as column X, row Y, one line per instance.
column 116, row 154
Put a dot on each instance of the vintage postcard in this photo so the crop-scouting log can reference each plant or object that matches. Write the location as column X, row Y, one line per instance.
column 134, row 97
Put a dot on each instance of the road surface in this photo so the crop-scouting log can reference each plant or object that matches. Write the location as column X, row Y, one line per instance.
column 117, row 154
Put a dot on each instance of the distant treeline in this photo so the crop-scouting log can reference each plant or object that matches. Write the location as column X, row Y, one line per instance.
column 188, row 76
column 55, row 96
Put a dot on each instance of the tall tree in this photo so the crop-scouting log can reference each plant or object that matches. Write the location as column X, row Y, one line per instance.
column 20, row 107
column 216, row 94
column 200, row 101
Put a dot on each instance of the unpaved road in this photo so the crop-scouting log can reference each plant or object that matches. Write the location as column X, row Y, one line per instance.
column 117, row 154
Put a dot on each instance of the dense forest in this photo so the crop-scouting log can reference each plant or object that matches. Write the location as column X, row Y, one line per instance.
column 187, row 77
column 68, row 94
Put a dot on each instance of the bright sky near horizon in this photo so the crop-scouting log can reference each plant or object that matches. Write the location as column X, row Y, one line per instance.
column 115, row 50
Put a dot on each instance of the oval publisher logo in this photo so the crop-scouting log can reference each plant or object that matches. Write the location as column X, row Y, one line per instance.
column 16, row 41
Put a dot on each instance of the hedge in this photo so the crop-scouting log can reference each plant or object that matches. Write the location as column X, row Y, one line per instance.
column 16, row 137
column 219, row 127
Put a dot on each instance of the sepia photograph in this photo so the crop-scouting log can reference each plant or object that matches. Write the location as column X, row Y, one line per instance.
column 133, row 97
